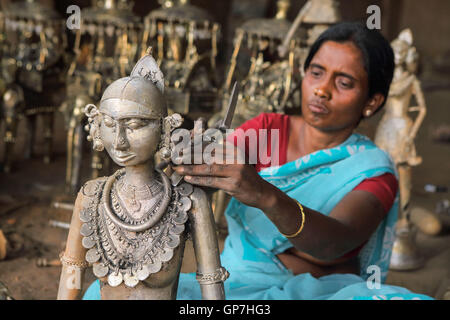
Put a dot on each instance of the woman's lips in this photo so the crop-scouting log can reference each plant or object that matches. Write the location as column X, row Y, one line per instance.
column 318, row 108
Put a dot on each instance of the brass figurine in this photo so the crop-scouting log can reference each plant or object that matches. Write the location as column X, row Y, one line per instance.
column 395, row 134
column 185, row 39
column 267, row 75
column 318, row 16
column 31, row 69
column 106, row 48
column 131, row 226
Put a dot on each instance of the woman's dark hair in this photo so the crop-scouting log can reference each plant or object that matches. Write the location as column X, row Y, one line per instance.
column 378, row 56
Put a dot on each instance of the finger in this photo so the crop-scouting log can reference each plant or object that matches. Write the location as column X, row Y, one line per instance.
column 209, row 181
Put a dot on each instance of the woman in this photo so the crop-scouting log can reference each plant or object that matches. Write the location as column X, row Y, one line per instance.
column 321, row 223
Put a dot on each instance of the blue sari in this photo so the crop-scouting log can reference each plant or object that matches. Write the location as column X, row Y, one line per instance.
column 318, row 181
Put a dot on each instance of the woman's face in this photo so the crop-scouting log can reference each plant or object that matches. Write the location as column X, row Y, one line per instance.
column 129, row 139
column 335, row 87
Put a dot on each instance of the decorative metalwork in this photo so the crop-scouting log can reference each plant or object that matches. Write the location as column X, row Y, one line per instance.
column 132, row 224
column 31, row 68
column 395, row 134
column 184, row 39
column 265, row 60
column 106, row 48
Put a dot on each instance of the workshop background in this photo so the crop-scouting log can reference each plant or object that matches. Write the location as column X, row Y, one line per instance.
column 29, row 222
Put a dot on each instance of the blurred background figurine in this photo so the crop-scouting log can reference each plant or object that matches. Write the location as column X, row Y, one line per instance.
column 267, row 80
column 106, row 48
column 32, row 69
column 184, row 39
column 395, row 134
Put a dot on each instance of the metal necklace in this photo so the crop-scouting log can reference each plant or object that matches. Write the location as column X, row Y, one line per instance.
column 130, row 251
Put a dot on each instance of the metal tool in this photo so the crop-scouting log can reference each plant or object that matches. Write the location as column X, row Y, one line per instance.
column 223, row 126
column 232, row 103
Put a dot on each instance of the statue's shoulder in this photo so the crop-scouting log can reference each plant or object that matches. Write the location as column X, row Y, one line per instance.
column 186, row 189
column 92, row 188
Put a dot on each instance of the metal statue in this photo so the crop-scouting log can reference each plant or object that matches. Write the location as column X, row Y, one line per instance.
column 395, row 134
column 132, row 226
column 31, row 69
column 106, row 48
column 267, row 80
column 185, row 39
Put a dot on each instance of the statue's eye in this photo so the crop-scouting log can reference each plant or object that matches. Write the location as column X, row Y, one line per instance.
column 108, row 121
column 136, row 123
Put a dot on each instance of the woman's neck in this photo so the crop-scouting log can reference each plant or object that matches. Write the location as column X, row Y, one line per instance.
column 311, row 139
column 139, row 175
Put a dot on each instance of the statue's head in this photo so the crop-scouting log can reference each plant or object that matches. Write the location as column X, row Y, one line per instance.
column 404, row 52
column 131, row 122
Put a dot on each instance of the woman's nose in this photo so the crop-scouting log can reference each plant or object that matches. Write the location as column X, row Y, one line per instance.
column 322, row 93
column 121, row 141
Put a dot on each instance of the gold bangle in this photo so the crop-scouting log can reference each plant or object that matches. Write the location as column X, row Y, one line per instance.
column 301, row 226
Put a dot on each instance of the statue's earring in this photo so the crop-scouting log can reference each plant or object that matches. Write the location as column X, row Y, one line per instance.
column 93, row 127
column 169, row 123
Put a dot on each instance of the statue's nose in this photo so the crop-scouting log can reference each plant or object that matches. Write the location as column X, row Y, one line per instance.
column 121, row 141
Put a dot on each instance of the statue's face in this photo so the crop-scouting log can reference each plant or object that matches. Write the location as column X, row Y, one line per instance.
column 400, row 49
column 129, row 137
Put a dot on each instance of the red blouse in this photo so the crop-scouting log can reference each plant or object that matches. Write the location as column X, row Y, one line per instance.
column 384, row 187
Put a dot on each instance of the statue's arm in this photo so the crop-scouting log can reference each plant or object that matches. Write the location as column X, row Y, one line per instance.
column 210, row 273
column 417, row 91
column 73, row 259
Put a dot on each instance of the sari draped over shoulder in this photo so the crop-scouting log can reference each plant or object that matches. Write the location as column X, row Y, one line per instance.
column 318, row 181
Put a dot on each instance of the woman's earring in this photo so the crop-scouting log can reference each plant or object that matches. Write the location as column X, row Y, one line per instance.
column 368, row 112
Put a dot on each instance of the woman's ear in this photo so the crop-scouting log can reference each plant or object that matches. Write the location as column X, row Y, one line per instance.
column 373, row 104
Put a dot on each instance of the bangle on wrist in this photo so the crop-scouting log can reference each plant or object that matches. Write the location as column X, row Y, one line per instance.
column 302, row 224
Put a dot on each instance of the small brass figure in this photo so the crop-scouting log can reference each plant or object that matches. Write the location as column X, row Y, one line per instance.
column 395, row 134
column 185, row 40
column 318, row 16
column 31, row 68
column 106, row 48
column 131, row 226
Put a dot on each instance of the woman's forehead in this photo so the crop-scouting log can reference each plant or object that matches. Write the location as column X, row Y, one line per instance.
column 343, row 57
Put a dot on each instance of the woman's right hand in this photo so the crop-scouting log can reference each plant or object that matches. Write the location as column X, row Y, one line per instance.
column 223, row 167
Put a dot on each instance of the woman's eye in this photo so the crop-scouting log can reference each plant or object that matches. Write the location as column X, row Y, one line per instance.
column 345, row 84
column 315, row 73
